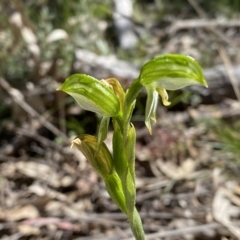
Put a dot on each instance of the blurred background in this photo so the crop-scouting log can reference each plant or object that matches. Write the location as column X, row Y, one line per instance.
column 187, row 171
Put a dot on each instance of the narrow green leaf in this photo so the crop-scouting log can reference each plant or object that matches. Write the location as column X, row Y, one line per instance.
column 119, row 156
column 129, row 192
column 102, row 131
column 115, row 190
column 127, row 114
column 136, row 226
column 130, row 145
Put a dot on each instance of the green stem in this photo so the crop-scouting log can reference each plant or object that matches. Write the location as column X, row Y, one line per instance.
column 124, row 141
column 136, row 225
column 115, row 190
column 129, row 105
column 132, row 92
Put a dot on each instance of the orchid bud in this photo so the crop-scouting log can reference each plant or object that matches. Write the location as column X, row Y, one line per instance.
column 102, row 161
column 92, row 94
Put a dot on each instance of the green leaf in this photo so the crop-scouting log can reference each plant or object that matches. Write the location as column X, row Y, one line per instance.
column 115, row 190
column 130, row 146
column 92, row 94
column 129, row 192
column 171, row 72
column 136, row 226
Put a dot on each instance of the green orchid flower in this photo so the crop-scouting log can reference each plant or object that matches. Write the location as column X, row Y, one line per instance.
column 167, row 72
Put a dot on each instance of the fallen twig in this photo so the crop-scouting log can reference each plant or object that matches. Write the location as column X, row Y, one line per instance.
column 18, row 97
column 46, row 142
column 202, row 23
column 182, row 231
column 230, row 71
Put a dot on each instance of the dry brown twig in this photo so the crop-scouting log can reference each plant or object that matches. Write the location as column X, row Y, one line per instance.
column 18, row 97
column 45, row 141
column 203, row 15
column 202, row 23
column 169, row 233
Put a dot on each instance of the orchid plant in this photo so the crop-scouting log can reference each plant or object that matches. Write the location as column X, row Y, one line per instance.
column 108, row 99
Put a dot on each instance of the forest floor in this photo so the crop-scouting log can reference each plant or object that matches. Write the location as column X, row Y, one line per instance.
column 187, row 171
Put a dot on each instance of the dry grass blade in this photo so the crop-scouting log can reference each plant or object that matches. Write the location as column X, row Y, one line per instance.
column 230, row 72
column 202, row 23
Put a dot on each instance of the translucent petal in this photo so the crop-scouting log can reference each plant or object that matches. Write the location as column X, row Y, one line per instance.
column 151, row 106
